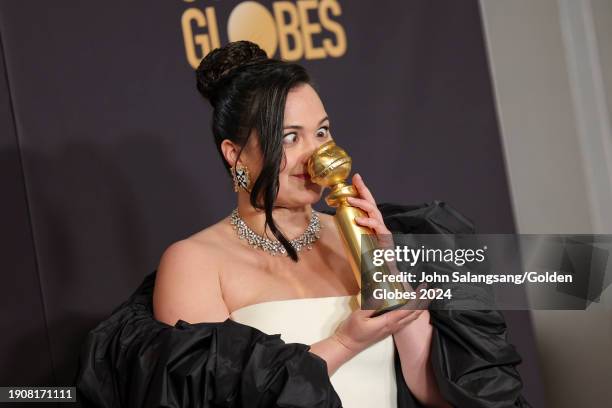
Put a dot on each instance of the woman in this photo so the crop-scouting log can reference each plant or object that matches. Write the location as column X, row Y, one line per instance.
column 204, row 329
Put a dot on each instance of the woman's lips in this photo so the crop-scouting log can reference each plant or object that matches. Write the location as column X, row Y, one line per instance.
column 302, row 176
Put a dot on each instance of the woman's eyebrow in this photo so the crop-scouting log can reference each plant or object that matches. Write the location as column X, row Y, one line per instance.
column 301, row 127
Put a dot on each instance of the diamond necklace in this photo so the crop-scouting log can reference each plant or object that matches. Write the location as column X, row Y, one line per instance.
column 275, row 247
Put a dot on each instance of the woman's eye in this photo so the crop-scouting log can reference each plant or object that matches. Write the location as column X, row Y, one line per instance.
column 325, row 131
column 289, row 138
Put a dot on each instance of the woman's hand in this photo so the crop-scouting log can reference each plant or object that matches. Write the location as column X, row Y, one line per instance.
column 360, row 330
column 373, row 218
column 357, row 332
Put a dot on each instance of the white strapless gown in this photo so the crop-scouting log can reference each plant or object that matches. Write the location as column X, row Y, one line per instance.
column 365, row 381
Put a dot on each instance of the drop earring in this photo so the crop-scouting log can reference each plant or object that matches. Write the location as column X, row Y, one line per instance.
column 240, row 174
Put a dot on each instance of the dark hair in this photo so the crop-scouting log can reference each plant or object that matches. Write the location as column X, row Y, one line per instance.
column 248, row 91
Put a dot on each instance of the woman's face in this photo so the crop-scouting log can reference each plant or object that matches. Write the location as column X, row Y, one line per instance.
column 306, row 127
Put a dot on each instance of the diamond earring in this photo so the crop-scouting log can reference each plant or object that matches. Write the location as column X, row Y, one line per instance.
column 241, row 177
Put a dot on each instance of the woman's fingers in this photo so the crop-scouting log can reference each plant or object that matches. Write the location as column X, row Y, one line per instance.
column 374, row 219
column 399, row 314
column 391, row 319
column 364, row 313
column 367, row 206
column 420, row 302
column 413, row 308
column 362, row 189
column 368, row 222
column 402, row 317
column 408, row 319
column 398, row 318
column 377, row 225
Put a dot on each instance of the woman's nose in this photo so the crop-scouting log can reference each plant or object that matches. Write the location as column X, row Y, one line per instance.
column 309, row 148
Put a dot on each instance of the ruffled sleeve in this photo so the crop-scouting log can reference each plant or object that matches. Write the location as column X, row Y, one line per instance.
column 474, row 365
column 133, row 360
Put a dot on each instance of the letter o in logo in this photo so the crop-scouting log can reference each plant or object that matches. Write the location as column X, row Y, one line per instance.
column 251, row 21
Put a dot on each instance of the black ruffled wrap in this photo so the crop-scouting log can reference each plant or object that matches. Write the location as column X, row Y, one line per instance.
column 132, row 360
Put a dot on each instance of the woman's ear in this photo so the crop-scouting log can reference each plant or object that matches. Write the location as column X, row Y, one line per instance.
column 230, row 151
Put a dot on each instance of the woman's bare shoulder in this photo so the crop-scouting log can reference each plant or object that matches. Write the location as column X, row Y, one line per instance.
column 187, row 284
column 213, row 238
column 204, row 247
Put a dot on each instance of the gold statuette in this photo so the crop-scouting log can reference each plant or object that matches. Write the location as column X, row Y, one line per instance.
column 329, row 166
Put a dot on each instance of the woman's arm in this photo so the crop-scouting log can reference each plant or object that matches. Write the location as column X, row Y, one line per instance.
column 333, row 351
column 413, row 341
column 413, row 344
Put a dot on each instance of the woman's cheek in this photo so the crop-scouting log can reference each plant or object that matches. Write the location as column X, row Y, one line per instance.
column 283, row 180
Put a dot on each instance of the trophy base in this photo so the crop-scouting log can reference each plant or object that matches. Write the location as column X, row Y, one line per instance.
column 389, row 308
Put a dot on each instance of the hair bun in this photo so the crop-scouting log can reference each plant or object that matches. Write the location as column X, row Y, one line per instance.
column 218, row 63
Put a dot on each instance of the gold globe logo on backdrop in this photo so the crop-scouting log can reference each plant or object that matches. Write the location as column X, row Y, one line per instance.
column 288, row 29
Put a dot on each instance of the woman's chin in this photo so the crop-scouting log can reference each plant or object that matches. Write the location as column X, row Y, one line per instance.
column 304, row 197
column 311, row 197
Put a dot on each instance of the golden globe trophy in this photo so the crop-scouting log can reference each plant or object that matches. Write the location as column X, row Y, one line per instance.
column 329, row 166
